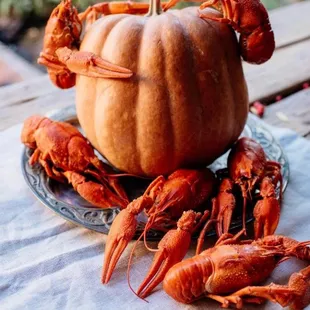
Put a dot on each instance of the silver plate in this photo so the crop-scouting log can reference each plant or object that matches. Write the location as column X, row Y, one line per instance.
column 63, row 200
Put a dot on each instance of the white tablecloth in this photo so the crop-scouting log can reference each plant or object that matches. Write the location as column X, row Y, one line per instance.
column 48, row 263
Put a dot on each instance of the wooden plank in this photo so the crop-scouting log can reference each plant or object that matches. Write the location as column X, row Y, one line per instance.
column 292, row 112
column 24, row 69
column 38, row 96
column 26, row 90
column 291, row 23
column 288, row 68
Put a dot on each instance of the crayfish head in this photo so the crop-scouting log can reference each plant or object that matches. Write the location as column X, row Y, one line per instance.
column 31, row 125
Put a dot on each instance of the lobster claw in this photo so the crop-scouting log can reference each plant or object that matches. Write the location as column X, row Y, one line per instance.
column 266, row 211
column 121, row 232
column 97, row 194
column 171, row 250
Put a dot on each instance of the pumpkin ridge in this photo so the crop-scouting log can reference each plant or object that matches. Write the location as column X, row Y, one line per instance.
column 190, row 43
column 123, row 18
column 232, row 92
column 136, row 110
column 228, row 84
column 115, row 19
column 167, row 93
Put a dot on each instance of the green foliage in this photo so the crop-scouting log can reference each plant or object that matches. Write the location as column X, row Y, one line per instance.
column 42, row 8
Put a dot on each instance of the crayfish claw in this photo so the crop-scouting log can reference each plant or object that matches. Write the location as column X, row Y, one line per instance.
column 114, row 250
column 171, row 250
column 156, row 274
column 121, row 232
column 266, row 211
column 89, row 64
column 97, row 194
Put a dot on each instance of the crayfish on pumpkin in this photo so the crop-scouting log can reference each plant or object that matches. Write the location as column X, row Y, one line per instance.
column 249, row 18
column 64, row 29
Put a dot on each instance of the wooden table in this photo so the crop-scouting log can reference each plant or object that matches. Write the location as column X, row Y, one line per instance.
column 283, row 75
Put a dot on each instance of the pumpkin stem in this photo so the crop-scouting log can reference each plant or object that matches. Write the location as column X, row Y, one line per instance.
column 155, row 8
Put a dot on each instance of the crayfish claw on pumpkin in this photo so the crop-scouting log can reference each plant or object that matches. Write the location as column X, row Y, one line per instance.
column 171, row 250
column 121, row 232
column 89, row 64
column 97, row 194
column 266, row 211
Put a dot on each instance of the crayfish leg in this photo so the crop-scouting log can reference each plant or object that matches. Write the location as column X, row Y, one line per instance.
column 300, row 281
column 280, row 294
column 34, row 157
column 50, row 172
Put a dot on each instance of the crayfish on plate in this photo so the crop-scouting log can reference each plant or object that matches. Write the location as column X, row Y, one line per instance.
column 229, row 272
column 233, row 269
column 249, row 18
column 66, row 155
column 165, row 200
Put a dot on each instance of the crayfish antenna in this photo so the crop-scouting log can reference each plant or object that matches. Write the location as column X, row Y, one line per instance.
column 129, row 265
column 145, row 241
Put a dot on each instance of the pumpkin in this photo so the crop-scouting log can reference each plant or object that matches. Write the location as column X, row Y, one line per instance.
column 186, row 103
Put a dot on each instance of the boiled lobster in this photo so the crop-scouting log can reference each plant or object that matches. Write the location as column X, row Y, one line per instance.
column 249, row 18
column 164, row 202
column 65, row 154
column 232, row 267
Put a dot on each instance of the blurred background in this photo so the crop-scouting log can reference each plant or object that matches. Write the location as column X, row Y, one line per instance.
column 22, row 29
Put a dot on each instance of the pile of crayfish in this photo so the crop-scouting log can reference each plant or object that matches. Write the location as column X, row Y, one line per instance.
column 186, row 202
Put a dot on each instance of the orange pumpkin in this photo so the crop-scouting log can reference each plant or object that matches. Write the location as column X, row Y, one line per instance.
column 186, row 103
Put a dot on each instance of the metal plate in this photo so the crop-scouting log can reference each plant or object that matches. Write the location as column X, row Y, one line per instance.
column 63, row 200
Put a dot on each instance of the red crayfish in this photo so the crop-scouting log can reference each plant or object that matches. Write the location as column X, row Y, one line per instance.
column 164, row 201
column 249, row 18
column 249, row 168
column 227, row 272
column 66, row 155
column 61, row 43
